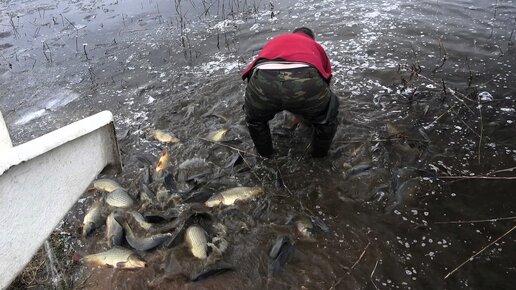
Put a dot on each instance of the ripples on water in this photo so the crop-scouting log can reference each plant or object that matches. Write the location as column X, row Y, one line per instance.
column 425, row 87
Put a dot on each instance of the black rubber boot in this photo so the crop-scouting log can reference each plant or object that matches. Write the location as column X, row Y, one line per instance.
column 261, row 135
column 322, row 138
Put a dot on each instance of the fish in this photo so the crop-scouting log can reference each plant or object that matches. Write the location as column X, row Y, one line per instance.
column 116, row 257
column 162, row 163
column 119, row 198
column 92, row 219
column 146, row 194
column 280, row 253
column 212, row 271
column 305, row 226
column 320, row 224
column 105, row 184
column 145, row 243
column 228, row 197
column 195, row 237
column 217, row 135
column 140, row 220
column 193, row 163
column 164, row 137
column 114, row 231
column 357, row 170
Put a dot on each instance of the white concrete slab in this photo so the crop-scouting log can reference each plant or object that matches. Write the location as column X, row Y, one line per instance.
column 42, row 179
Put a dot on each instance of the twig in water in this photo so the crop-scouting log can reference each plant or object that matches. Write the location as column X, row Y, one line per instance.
column 81, row 285
column 444, row 56
column 503, row 170
column 477, row 177
column 372, row 273
column 45, row 49
column 477, row 221
column 380, row 140
column 230, row 147
column 479, row 252
column 301, row 157
column 84, row 48
column 481, row 129
column 250, row 168
column 360, row 258
column 440, row 116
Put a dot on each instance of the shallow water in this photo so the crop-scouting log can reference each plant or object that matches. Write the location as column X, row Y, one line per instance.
column 425, row 89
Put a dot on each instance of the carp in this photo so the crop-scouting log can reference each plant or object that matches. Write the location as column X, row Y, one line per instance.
column 195, row 237
column 162, row 163
column 305, row 226
column 117, row 257
column 217, row 135
column 230, row 196
column 119, row 198
column 146, row 243
column 164, row 137
column 114, row 231
column 92, row 219
column 105, row 184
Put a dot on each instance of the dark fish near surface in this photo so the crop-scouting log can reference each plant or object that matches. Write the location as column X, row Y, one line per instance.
column 357, row 169
column 114, row 231
column 146, row 243
column 146, row 176
column 280, row 253
column 235, row 159
column 320, row 223
column 146, row 194
column 161, row 215
column 211, row 272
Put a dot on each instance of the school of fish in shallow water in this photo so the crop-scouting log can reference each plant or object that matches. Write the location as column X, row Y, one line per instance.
column 165, row 213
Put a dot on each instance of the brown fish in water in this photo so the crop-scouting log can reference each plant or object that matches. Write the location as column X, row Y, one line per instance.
column 164, row 137
column 117, row 257
column 228, row 197
column 196, row 240
column 162, row 163
column 305, row 226
column 92, row 219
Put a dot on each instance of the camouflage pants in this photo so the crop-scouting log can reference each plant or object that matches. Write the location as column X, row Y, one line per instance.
column 301, row 91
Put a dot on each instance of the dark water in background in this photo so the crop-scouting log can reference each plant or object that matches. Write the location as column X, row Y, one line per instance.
column 420, row 83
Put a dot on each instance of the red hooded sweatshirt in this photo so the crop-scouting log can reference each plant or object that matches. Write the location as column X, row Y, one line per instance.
column 295, row 47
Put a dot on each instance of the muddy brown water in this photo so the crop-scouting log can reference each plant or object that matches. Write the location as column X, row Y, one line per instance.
column 426, row 90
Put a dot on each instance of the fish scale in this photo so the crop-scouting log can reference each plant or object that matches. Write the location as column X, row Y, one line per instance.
column 119, row 198
column 196, row 239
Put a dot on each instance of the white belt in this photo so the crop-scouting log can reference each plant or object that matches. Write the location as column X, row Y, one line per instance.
column 280, row 65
